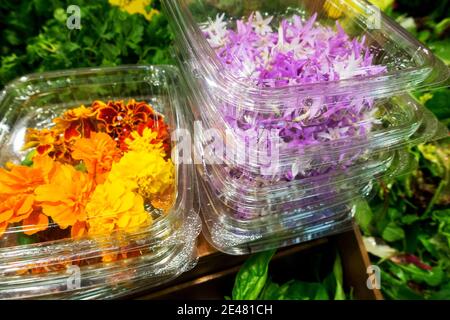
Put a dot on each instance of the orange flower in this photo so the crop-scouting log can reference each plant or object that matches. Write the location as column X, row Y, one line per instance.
column 98, row 153
column 15, row 209
column 77, row 122
column 48, row 142
column 120, row 119
column 17, row 188
column 36, row 221
column 65, row 196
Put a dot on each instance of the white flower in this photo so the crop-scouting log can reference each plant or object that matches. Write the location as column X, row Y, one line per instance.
column 370, row 117
column 261, row 25
column 332, row 133
column 380, row 250
column 300, row 166
column 265, row 56
column 216, row 30
column 349, row 67
column 284, row 46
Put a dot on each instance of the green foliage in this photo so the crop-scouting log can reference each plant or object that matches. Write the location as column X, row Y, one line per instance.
column 34, row 37
column 252, row 276
column 253, row 283
column 411, row 214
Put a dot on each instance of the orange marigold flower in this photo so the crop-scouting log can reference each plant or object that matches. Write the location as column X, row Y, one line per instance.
column 36, row 221
column 15, row 209
column 48, row 142
column 119, row 119
column 65, row 196
column 17, row 188
column 77, row 122
column 98, row 153
column 19, row 180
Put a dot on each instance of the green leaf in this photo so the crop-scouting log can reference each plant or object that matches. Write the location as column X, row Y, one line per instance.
column 432, row 277
column 397, row 290
column 272, row 291
column 442, row 294
column 441, row 49
column 442, row 26
column 410, row 219
column 393, row 232
column 363, row 215
column 394, row 214
column 383, row 4
column 28, row 161
column 339, row 276
column 427, row 243
column 299, row 290
column 439, row 103
column 252, row 277
column 24, row 239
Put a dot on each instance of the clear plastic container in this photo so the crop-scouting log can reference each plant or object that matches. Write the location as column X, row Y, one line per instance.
column 409, row 64
column 230, row 101
column 52, row 263
column 241, row 229
column 402, row 122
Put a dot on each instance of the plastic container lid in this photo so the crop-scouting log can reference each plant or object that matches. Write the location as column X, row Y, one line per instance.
column 409, row 64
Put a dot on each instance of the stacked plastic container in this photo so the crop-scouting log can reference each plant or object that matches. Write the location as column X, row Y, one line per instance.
column 283, row 159
column 81, row 267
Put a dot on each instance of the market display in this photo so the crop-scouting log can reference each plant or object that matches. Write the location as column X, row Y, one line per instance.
column 311, row 102
column 286, row 121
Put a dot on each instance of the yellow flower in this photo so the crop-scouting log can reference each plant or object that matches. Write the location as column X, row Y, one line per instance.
column 147, row 172
column 113, row 206
column 148, row 142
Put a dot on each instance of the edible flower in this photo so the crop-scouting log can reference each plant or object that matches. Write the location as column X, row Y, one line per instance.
column 98, row 153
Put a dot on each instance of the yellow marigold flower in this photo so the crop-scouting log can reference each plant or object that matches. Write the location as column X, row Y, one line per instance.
column 147, row 172
column 113, row 206
column 147, row 142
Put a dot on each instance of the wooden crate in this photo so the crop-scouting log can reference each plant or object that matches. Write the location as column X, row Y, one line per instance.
column 213, row 277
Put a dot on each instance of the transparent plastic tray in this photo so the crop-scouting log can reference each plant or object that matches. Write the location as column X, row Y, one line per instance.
column 409, row 64
column 226, row 101
column 314, row 162
column 43, row 268
column 244, row 236
column 249, row 202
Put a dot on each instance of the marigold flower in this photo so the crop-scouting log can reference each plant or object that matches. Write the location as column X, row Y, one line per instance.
column 77, row 122
column 119, row 119
column 147, row 172
column 17, row 188
column 48, row 142
column 114, row 206
column 98, row 153
column 64, row 198
column 146, row 141
column 159, row 126
column 15, row 209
